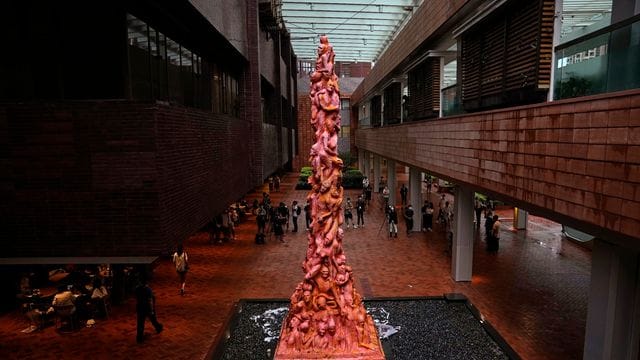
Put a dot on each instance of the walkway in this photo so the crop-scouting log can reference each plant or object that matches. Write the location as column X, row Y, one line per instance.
column 533, row 291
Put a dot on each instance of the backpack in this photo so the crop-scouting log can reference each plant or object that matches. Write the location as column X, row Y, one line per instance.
column 298, row 210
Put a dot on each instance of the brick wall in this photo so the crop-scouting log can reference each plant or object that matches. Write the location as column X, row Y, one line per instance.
column 304, row 133
column 115, row 178
column 576, row 161
column 251, row 111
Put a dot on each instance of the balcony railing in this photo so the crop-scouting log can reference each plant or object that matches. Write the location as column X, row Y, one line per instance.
column 604, row 61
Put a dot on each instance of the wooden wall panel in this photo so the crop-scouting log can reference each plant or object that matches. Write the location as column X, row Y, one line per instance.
column 506, row 58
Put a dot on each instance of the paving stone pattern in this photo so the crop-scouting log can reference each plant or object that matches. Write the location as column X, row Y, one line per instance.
column 533, row 291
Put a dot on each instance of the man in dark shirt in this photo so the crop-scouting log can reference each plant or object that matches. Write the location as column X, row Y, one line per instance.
column 146, row 307
column 403, row 194
column 408, row 217
column 392, row 217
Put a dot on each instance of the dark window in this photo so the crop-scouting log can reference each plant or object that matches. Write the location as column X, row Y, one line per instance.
column 163, row 69
column 392, row 103
column 376, row 111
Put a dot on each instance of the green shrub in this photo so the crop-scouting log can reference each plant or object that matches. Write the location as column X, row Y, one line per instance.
column 351, row 179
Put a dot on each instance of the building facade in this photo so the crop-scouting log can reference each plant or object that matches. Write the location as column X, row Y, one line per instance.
column 119, row 118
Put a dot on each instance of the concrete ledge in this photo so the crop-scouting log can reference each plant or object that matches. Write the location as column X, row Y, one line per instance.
column 79, row 260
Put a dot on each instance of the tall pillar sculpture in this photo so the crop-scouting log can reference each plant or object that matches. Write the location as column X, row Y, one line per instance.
column 326, row 318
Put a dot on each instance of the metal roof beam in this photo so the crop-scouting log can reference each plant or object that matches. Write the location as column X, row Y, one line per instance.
column 355, row 3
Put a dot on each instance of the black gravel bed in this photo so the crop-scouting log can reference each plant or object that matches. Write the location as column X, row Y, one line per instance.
column 428, row 328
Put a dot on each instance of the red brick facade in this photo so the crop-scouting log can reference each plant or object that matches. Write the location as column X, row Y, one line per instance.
column 124, row 177
column 305, row 132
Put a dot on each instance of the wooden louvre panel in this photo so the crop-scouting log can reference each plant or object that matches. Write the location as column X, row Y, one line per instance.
column 506, row 58
column 470, row 58
column 392, row 103
column 522, row 41
column 376, row 111
column 424, row 90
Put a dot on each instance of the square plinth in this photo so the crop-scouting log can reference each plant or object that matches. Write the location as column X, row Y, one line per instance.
column 422, row 328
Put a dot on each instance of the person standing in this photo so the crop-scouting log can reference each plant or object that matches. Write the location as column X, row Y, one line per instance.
column 423, row 213
column 488, row 228
column 477, row 206
column 403, row 194
column 307, row 215
column 429, row 215
column 295, row 212
column 408, row 218
column 392, row 217
column 181, row 262
column 145, row 308
column 441, row 206
column 367, row 194
column 359, row 212
column 495, row 234
column 385, row 197
column 261, row 218
column 276, row 183
column 348, row 213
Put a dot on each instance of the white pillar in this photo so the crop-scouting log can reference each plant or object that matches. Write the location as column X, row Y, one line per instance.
column 519, row 218
column 376, row 173
column 557, row 25
column 462, row 247
column 415, row 192
column 613, row 315
column 391, row 181
column 367, row 164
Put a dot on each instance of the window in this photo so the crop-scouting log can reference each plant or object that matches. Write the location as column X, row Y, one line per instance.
column 163, row 69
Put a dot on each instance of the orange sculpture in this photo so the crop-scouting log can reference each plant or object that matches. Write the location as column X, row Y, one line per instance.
column 327, row 318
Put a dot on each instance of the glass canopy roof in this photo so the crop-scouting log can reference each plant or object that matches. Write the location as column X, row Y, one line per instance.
column 359, row 30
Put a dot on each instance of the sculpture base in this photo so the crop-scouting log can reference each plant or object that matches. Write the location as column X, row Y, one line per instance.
column 447, row 328
column 283, row 353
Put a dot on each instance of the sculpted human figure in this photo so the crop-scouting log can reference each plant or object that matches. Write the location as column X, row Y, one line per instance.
column 327, row 317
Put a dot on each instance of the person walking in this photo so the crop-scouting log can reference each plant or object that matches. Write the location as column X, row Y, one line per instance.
column 145, row 308
column 408, row 218
column 403, row 194
column 359, row 212
column 181, row 262
column 392, row 217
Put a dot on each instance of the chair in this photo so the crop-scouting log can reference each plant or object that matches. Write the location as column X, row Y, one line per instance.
column 66, row 314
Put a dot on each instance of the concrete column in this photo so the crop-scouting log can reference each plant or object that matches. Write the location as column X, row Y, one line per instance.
column 462, row 247
column 376, row 173
column 613, row 314
column 391, row 181
column 361, row 161
column 415, row 193
column 519, row 219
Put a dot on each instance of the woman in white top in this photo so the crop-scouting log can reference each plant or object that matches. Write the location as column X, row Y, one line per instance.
column 181, row 261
